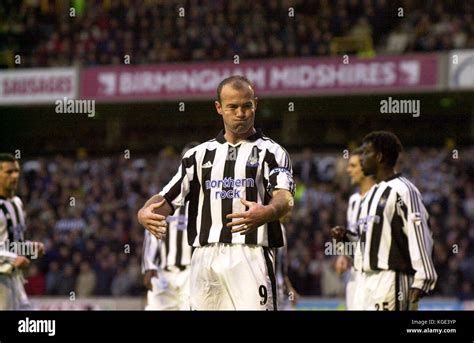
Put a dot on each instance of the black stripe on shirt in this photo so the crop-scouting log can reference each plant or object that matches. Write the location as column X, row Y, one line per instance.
column 17, row 214
column 206, row 218
column 175, row 190
column 179, row 236
column 399, row 255
column 363, row 236
column 227, row 203
column 167, row 247
column 192, row 201
column 377, row 229
column 275, row 235
column 251, row 193
column 7, row 215
column 397, row 290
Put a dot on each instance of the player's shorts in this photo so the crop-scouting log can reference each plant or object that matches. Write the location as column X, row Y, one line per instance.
column 351, row 287
column 233, row 277
column 12, row 292
column 170, row 291
column 384, row 290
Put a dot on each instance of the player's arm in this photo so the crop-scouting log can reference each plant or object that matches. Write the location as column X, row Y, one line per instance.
column 6, row 256
column 12, row 259
column 34, row 249
column 420, row 244
column 153, row 214
column 149, row 267
column 258, row 214
column 341, row 234
column 291, row 291
column 280, row 205
column 288, row 286
column 9, row 259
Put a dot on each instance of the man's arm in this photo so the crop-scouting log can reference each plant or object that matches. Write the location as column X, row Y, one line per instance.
column 420, row 244
column 153, row 215
column 6, row 256
column 149, row 268
column 257, row 214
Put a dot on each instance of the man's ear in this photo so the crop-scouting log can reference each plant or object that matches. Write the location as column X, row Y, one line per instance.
column 379, row 157
column 218, row 107
column 255, row 100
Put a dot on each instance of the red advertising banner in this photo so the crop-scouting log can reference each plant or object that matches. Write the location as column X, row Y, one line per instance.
column 279, row 77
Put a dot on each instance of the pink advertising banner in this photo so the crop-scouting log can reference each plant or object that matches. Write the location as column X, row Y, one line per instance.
column 276, row 77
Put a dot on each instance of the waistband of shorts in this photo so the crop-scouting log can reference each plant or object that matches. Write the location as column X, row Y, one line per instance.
column 175, row 269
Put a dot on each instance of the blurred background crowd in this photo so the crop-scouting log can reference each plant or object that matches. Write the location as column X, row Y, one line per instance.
column 44, row 33
column 84, row 209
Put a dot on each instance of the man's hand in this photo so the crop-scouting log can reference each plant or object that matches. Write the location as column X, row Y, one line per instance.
column 341, row 264
column 39, row 248
column 149, row 274
column 250, row 220
column 415, row 294
column 155, row 223
column 293, row 295
column 338, row 233
column 21, row 262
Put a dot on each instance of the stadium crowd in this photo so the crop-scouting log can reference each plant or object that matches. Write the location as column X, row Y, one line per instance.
column 84, row 210
column 44, row 32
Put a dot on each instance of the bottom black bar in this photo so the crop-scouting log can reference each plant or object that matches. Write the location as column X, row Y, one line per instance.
column 51, row 326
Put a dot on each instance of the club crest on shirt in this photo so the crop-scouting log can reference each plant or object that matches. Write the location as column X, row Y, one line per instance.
column 252, row 162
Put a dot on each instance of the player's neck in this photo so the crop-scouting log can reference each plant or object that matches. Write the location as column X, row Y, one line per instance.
column 234, row 138
column 366, row 184
column 6, row 194
column 383, row 174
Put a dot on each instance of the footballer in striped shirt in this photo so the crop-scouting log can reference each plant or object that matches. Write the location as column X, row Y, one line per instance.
column 238, row 184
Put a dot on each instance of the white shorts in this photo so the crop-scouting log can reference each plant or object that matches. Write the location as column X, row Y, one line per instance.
column 384, row 290
column 233, row 277
column 170, row 291
column 351, row 287
column 12, row 292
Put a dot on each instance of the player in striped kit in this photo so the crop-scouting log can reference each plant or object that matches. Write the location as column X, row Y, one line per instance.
column 239, row 185
column 166, row 266
column 351, row 234
column 395, row 250
column 166, row 262
column 287, row 296
column 15, row 252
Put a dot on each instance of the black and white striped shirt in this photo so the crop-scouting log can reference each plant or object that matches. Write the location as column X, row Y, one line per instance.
column 215, row 174
column 352, row 212
column 12, row 226
column 394, row 232
column 352, row 227
column 171, row 252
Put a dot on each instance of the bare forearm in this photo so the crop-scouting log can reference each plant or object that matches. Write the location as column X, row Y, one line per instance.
column 153, row 200
column 280, row 205
column 165, row 210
